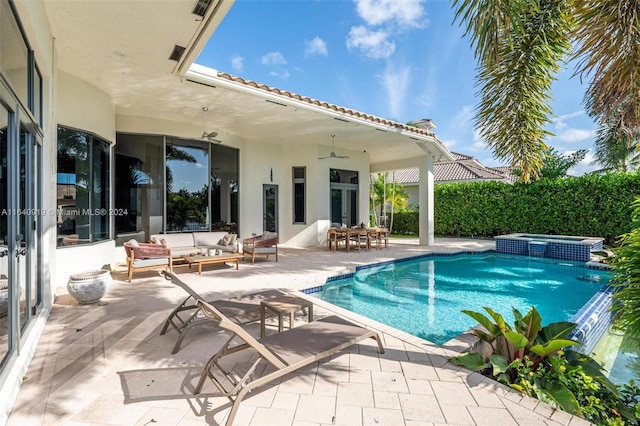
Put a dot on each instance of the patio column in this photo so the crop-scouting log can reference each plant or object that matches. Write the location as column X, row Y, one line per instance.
column 426, row 201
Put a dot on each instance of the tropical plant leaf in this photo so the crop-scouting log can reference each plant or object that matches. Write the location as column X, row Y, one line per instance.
column 516, row 339
column 473, row 362
column 498, row 319
column 551, row 347
column 556, row 330
column 489, row 338
column 557, row 395
column 485, row 322
column 531, row 324
column 499, row 364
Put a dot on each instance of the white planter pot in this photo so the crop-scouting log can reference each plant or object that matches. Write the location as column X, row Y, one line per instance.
column 89, row 287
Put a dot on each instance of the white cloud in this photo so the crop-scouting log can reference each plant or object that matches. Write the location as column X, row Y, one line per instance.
column 479, row 143
column 276, row 61
column 273, row 58
column 569, row 135
column 317, row 46
column 402, row 13
column 584, row 166
column 282, row 73
column 237, row 62
column 199, row 165
column 450, row 143
column 395, row 83
column 373, row 44
column 560, row 121
column 464, row 116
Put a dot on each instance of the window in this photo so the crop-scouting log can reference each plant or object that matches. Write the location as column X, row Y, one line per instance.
column 299, row 195
column 14, row 53
column 201, row 190
column 83, row 177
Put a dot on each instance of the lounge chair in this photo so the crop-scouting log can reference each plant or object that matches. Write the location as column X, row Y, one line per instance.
column 285, row 352
column 239, row 306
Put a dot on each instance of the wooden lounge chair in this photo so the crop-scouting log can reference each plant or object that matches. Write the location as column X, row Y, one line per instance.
column 187, row 315
column 285, row 352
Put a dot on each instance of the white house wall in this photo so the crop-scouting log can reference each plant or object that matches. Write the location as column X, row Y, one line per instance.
column 85, row 107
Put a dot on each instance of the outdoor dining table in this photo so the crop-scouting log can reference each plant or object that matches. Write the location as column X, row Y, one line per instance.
column 335, row 235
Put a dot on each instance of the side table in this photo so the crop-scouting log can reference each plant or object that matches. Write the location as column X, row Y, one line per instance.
column 287, row 304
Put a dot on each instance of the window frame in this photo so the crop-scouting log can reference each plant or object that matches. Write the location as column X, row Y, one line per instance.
column 295, row 181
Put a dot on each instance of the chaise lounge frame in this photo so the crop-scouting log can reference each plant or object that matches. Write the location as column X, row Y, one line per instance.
column 285, row 352
column 187, row 314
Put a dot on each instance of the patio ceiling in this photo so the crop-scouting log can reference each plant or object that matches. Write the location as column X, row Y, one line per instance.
column 123, row 48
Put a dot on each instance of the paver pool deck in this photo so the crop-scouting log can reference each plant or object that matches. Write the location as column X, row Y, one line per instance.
column 108, row 364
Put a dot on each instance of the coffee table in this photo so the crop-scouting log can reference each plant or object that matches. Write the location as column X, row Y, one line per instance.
column 287, row 304
column 209, row 260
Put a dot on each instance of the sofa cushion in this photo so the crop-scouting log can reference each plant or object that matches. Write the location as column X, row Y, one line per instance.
column 207, row 238
column 228, row 249
column 185, row 251
column 174, row 240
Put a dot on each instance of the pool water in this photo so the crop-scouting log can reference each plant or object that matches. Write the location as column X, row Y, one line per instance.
column 424, row 297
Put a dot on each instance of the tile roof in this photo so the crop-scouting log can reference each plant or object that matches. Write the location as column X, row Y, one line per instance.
column 326, row 105
column 464, row 169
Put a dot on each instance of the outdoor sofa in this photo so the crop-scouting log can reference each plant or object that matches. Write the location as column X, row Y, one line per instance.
column 190, row 243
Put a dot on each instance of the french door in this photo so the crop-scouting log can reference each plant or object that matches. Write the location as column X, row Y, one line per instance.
column 270, row 208
column 20, row 224
column 344, row 204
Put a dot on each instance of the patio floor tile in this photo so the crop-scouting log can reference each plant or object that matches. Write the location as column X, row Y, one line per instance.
column 108, row 363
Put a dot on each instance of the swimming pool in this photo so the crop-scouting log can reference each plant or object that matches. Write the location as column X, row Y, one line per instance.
column 424, row 296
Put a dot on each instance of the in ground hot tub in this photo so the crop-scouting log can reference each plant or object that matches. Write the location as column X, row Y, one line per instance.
column 563, row 247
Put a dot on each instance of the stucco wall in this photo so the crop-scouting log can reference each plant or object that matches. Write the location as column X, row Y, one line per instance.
column 85, row 107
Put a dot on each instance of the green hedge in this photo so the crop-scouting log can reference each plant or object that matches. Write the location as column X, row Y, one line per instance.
column 591, row 205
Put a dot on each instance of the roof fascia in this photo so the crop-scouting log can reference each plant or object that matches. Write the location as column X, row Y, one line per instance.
column 210, row 23
column 208, row 76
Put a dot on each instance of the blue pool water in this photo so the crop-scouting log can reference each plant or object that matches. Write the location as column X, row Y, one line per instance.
column 424, row 297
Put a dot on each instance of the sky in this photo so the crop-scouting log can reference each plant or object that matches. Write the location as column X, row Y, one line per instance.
column 396, row 59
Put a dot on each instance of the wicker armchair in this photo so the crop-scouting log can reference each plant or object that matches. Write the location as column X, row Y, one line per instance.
column 264, row 244
column 146, row 256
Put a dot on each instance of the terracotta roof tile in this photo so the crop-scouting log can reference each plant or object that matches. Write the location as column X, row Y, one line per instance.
column 453, row 171
column 326, row 105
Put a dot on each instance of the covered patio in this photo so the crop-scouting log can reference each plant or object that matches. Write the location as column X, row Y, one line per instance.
column 107, row 363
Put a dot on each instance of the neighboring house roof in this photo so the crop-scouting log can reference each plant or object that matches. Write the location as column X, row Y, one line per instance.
column 464, row 169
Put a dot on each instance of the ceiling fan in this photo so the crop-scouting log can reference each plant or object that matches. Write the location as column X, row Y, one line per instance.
column 208, row 136
column 332, row 154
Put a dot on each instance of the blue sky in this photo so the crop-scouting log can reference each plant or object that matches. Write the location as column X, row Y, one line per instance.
column 397, row 59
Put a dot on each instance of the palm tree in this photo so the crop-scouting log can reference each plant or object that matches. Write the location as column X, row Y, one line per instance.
column 520, row 46
column 386, row 193
column 616, row 148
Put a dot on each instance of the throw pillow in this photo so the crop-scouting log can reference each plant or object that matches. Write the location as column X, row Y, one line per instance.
column 226, row 240
column 233, row 240
column 164, row 242
column 222, row 243
column 133, row 243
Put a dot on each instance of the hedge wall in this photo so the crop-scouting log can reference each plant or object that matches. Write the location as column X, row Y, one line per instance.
column 591, row 205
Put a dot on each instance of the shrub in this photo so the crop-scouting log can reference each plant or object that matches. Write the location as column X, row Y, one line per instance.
column 532, row 359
